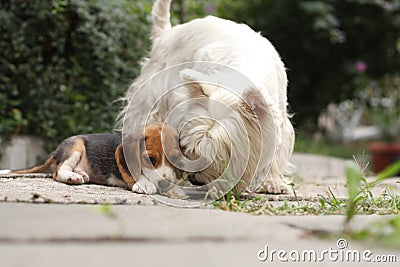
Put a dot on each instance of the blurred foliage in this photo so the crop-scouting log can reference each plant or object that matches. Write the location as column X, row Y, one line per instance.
column 64, row 62
column 381, row 99
column 322, row 146
column 322, row 44
column 187, row 10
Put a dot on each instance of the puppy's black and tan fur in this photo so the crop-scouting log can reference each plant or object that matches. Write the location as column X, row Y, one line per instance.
column 97, row 152
column 101, row 159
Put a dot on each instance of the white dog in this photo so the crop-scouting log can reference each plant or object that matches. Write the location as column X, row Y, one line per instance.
column 256, row 119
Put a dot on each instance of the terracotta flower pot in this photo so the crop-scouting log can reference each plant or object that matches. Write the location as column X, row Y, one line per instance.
column 383, row 154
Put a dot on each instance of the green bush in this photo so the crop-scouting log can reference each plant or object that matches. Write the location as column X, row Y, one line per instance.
column 63, row 63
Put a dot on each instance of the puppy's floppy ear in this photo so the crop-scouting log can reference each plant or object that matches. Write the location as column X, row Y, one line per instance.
column 131, row 152
column 255, row 103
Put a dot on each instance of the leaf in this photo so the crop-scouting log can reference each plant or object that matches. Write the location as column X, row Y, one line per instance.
column 389, row 172
column 354, row 177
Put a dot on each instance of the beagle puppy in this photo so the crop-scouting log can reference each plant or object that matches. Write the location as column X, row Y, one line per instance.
column 143, row 159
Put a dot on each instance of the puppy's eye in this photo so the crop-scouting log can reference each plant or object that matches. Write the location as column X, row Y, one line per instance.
column 152, row 160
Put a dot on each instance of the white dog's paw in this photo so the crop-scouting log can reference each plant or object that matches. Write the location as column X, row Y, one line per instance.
column 143, row 186
column 70, row 177
column 274, row 186
column 176, row 192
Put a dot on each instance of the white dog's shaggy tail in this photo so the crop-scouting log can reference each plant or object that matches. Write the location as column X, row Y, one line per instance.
column 161, row 18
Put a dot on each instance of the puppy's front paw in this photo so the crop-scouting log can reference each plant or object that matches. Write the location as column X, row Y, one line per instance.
column 84, row 175
column 274, row 186
column 144, row 186
column 69, row 177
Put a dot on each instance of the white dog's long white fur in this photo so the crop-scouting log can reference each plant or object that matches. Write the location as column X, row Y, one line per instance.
column 235, row 45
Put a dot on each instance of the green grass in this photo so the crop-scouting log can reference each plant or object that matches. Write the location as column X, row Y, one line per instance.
column 387, row 203
column 360, row 201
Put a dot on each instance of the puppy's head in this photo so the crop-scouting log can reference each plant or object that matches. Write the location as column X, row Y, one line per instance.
column 151, row 153
column 161, row 151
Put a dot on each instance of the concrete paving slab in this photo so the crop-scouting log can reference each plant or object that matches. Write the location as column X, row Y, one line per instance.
column 313, row 166
column 61, row 235
column 21, row 188
column 316, row 175
column 39, row 189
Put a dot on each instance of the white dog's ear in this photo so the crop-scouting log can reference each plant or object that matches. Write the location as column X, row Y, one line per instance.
column 190, row 75
column 254, row 100
column 193, row 81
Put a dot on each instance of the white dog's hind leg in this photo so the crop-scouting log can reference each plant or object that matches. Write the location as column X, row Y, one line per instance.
column 65, row 173
column 144, row 186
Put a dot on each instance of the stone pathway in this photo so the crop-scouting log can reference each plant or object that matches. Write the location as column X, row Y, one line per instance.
column 314, row 176
column 44, row 223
